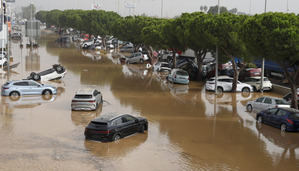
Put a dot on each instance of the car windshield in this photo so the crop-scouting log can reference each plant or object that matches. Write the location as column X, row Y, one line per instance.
column 184, row 73
column 294, row 115
column 280, row 101
column 83, row 96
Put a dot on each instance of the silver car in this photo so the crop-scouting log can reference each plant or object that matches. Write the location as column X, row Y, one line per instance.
column 87, row 99
column 264, row 103
column 135, row 58
column 26, row 87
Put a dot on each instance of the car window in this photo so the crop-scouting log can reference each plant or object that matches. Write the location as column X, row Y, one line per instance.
column 182, row 73
column 281, row 112
column 260, row 100
column 21, row 83
column 294, row 116
column 272, row 111
column 117, row 122
column 268, row 101
column 127, row 118
column 32, row 84
column 280, row 101
column 83, row 96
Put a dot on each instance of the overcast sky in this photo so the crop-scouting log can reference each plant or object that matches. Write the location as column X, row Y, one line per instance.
column 170, row 8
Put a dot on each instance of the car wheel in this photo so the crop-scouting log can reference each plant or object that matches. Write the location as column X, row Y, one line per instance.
column 116, row 137
column 219, row 90
column 47, row 94
column 5, row 64
column 245, row 90
column 36, row 77
column 14, row 95
column 142, row 128
column 85, row 46
column 249, row 108
column 141, row 61
column 283, row 127
column 59, row 68
column 254, row 88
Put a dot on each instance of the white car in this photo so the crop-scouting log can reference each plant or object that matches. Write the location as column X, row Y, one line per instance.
column 225, row 83
column 161, row 66
column 264, row 103
column 54, row 73
column 3, row 60
column 255, row 82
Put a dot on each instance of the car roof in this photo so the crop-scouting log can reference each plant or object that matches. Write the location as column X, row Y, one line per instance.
column 223, row 76
column 85, row 91
column 107, row 117
column 257, row 77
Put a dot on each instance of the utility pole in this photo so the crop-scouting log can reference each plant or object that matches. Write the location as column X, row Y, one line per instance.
column 263, row 61
column 217, row 54
column 162, row 8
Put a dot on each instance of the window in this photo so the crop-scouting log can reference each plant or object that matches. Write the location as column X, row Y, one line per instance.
column 260, row 100
column 127, row 118
column 117, row 122
column 83, row 96
column 268, row 101
column 281, row 113
column 278, row 101
column 32, row 84
column 294, row 116
column 272, row 111
column 21, row 84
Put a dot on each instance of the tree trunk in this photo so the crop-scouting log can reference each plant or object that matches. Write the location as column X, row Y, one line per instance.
column 236, row 74
column 104, row 42
column 292, row 81
column 173, row 58
column 150, row 54
column 200, row 56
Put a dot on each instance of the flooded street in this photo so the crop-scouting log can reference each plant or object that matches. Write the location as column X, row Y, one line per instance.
column 188, row 128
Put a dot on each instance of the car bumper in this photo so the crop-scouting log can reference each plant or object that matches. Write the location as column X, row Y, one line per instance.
column 181, row 81
column 210, row 87
column 84, row 107
column 98, row 137
column 5, row 93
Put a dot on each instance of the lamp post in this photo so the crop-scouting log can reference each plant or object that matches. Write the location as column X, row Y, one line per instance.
column 217, row 53
column 162, row 8
column 263, row 61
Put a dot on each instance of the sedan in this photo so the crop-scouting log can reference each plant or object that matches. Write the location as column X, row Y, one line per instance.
column 287, row 119
column 87, row 99
column 255, row 82
column 264, row 103
column 26, row 87
column 113, row 126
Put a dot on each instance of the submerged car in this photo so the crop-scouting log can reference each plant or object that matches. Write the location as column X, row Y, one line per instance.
column 87, row 99
column 113, row 126
column 161, row 66
column 137, row 57
column 178, row 76
column 15, row 89
column 255, row 82
column 264, row 103
column 54, row 73
column 287, row 119
column 225, row 83
column 3, row 60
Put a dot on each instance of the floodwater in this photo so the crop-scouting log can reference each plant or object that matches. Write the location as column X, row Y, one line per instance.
column 188, row 128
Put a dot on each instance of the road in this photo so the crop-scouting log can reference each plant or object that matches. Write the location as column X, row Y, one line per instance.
column 187, row 129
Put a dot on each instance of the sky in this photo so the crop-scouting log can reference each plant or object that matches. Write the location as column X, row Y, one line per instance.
column 170, row 8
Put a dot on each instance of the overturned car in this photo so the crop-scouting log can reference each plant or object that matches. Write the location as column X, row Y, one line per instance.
column 54, row 73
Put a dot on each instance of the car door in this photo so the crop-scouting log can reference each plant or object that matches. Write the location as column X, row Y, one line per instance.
column 277, row 117
column 131, row 125
column 257, row 104
column 269, row 115
column 34, row 88
column 22, row 87
column 268, row 103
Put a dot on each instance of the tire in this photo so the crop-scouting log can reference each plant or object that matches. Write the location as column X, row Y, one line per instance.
column 59, row 68
column 85, row 46
column 47, row 92
column 35, row 76
column 259, row 119
column 254, row 89
column 219, row 90
column 14, row 95
column 283, row 127
column 116, row 137
column 5, row 64
column 249, row 108
column 142, row 128
column 245, row 90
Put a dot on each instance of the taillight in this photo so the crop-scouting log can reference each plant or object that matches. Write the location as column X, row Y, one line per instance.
column 290, row 121
column 5, row 88
column 91, row 101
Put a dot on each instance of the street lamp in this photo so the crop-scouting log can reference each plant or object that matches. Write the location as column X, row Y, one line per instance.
column 263, row 62
column 217, row 51
column 161, row 8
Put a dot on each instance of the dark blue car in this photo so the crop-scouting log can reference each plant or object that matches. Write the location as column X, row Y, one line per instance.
column 287, row 119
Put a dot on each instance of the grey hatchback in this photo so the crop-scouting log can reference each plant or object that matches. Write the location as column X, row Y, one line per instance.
column 26, row 87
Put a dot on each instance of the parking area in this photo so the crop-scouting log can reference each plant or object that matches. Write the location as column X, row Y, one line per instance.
column 189, row 128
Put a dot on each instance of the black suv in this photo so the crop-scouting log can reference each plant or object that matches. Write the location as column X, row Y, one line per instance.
column 112, row 127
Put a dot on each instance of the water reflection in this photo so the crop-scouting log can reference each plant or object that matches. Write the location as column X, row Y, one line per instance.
column 27, row 101
column 82, row 118
column 32, row 61
column 116, row 149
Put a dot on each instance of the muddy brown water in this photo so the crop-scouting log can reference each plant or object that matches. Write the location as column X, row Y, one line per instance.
column 188, row 128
